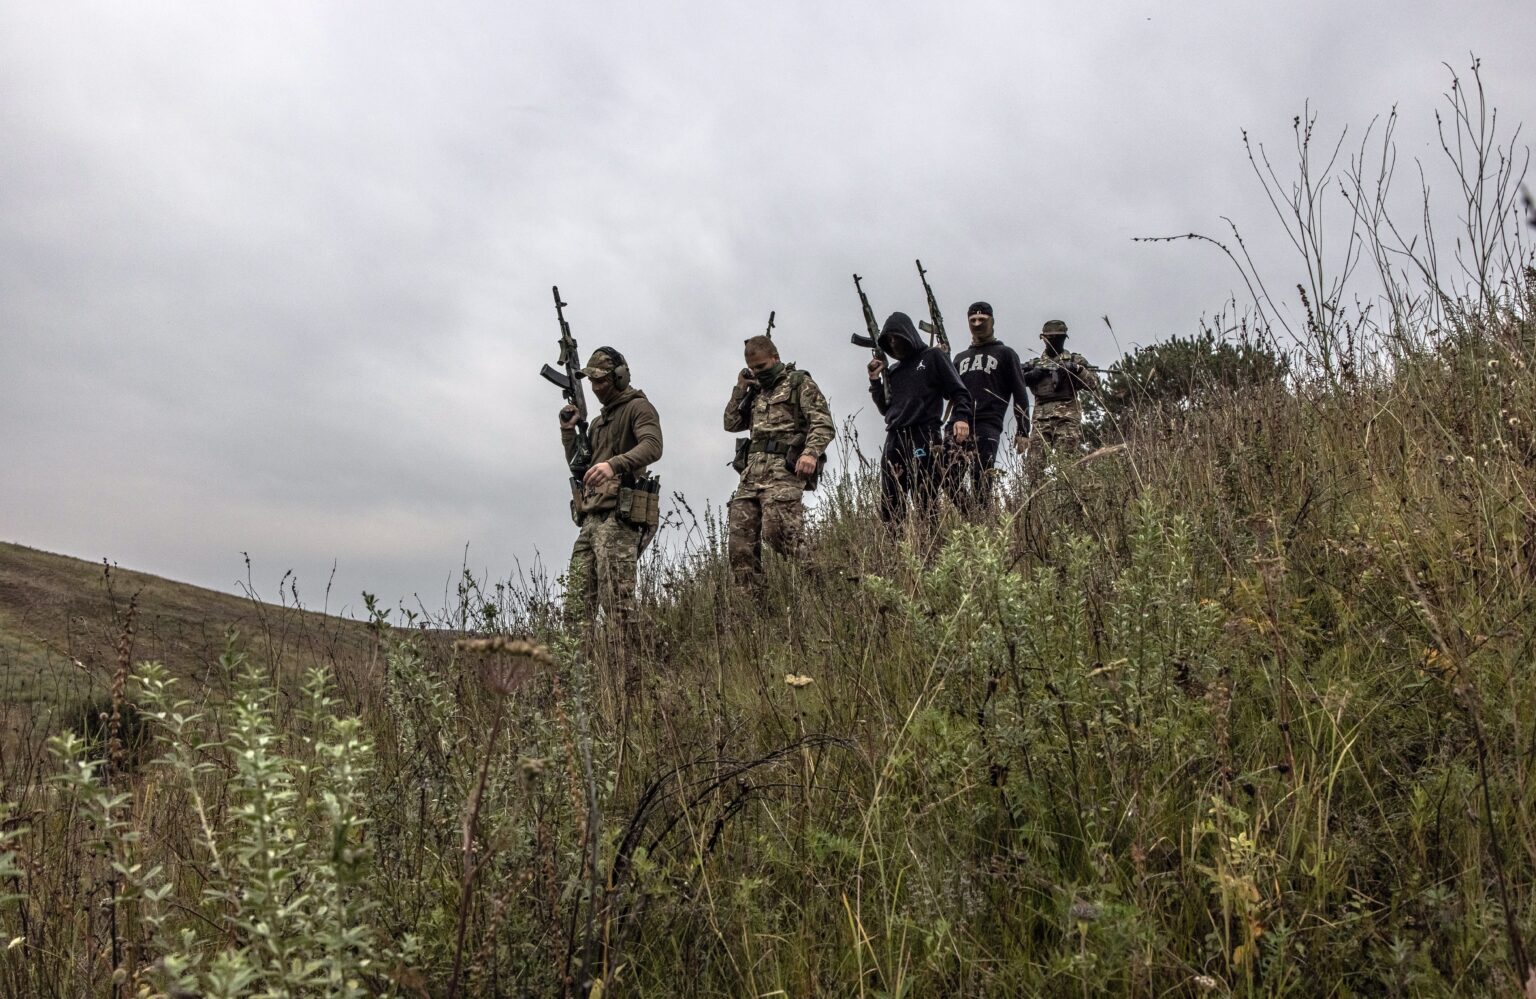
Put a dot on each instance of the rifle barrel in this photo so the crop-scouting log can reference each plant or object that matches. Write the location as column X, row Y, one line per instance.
column 872, row 340
column 569, row 384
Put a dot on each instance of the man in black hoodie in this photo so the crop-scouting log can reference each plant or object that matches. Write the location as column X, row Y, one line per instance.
column 911, row 396
column 991, row 373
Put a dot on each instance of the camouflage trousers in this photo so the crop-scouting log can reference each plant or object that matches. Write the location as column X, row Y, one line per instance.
column 1055, row 437
column 602, row 576
column 602, row 572
column 773, row 514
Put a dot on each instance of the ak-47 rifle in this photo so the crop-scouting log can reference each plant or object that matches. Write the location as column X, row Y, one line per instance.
column 935, row 329
column 569, row 383
column 871, row 340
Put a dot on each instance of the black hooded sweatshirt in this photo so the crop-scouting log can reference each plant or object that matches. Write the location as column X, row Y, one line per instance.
column 992, row 373
column 920, row 384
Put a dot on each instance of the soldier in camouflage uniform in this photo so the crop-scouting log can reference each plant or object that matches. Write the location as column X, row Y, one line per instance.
column 1054, row 379
column 791, row 426
column 626, row 439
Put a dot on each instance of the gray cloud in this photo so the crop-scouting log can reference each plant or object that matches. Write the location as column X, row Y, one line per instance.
column 277, row 279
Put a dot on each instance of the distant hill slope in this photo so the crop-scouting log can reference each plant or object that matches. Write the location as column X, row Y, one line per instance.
column 61, row 620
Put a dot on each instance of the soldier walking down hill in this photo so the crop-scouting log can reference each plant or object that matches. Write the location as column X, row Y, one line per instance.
column 992, row 374
column 614, row 503
column 790, row 425
column 1055, row 378
column 911, row 397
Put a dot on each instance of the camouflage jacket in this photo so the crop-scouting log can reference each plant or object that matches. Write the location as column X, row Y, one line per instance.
column 627, row 435
column 794, row 409
column 1059, row 378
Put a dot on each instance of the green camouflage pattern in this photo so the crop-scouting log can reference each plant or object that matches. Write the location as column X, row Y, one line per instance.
column 1056, row 424
column 767, row 505
column 774, row 516
column 602, row 572
column 602, row 577
column 1064, row 390
column 774, row 413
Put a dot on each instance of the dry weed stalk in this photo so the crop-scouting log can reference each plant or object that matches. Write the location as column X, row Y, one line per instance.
column 507, row 664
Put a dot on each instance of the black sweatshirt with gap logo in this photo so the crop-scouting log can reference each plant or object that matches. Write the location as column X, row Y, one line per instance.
column 993, row 375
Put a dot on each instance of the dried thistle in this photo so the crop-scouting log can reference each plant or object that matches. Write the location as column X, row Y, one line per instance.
column 508, row 662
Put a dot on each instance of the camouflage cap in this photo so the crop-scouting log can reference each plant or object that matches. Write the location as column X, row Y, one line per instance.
column 600, row 365
column 1053, row 327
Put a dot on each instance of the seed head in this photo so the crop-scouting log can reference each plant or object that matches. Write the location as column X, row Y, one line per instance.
column 508, row 662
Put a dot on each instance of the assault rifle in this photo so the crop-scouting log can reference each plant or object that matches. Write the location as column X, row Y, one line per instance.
column 1043, row 361
column 569, row 383
column 871, row 340
column 769, row 331
column 935, row 329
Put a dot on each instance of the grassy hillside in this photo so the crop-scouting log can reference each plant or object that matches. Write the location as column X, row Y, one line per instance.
column 1244, row 707
column 63, row 623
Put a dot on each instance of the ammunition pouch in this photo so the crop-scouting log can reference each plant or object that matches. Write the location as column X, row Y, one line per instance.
column 1050, row 381
column 743, row 449
column 576, row 501
column 640, row 505
column 1062, row 381
column 1053, row 385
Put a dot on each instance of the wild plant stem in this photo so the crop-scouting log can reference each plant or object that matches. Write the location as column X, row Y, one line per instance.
column 471, row 864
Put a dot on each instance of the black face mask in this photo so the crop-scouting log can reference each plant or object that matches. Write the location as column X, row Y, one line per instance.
column 768, row 379
column 1055, row 345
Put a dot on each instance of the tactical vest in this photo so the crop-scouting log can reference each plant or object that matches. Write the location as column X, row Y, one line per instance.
column 790, row 444
column 1059, row 385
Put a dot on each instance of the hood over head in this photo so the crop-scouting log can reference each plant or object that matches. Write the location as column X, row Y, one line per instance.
column 899, row 324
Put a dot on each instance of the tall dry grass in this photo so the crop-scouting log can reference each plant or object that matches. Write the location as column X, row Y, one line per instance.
column 1243, row 707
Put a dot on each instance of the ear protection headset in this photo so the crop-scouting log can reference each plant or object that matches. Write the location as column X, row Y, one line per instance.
column 620, row 368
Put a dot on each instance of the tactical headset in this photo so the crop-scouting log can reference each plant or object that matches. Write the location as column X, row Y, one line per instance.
column 620, row 368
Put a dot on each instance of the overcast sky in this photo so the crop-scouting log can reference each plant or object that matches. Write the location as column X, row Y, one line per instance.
column 275, row 278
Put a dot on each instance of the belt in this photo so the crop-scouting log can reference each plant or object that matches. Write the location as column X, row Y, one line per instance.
column 770, row 446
